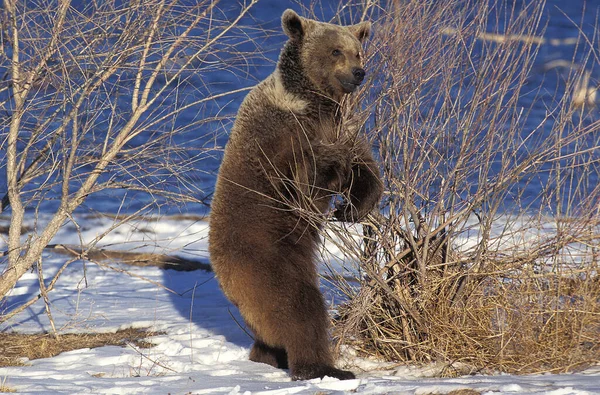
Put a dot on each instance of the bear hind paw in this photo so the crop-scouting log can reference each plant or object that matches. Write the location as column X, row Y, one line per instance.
column 307, row 372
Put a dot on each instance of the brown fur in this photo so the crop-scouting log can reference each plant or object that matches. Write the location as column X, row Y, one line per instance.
column 287, row 156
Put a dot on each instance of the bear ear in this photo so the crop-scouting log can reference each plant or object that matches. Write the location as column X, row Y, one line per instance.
column 361, row 31
column 293, row 24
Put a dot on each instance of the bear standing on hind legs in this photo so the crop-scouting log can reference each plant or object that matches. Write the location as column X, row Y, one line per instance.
column 288, row 155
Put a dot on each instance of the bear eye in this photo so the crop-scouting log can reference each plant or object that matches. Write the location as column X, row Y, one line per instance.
column 358, row 56
column 336, row 52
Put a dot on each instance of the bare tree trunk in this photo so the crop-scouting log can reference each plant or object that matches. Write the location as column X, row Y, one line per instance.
column 16, row 266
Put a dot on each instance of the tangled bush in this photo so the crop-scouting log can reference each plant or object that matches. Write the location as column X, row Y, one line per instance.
column 465, row 265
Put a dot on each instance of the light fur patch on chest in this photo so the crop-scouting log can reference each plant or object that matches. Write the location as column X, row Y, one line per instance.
column 280, row 97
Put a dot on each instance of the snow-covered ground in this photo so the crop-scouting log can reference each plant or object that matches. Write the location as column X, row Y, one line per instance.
column 204, row 349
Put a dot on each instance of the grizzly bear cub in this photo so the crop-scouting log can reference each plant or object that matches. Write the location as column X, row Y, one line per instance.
column 288, row 155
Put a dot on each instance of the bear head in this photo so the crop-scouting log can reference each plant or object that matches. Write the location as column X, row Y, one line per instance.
column 330, row 56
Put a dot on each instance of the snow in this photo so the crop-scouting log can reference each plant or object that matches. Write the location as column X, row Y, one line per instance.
column 203, row 348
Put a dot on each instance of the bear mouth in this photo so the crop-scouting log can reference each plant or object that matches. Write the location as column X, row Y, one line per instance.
column 349, row 87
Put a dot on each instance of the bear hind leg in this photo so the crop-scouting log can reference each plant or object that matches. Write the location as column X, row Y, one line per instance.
column 308, row 344
column 296, row 325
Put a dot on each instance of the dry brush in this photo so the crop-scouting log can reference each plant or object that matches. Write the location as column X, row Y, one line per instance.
column 485, row 252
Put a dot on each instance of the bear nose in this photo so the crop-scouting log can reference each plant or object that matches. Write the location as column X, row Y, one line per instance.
column 359, row 74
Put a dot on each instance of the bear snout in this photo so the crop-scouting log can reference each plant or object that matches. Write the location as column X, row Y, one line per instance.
column 359, row 75
column 351, row 82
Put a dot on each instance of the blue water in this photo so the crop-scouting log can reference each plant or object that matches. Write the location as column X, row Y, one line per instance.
column 200, row 142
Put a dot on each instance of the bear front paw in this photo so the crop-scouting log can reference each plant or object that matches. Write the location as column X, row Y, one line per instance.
column 338, row 174
column 347, row 213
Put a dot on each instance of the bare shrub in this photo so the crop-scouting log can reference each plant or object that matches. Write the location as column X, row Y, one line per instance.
column 465, row 265
column 97, row 97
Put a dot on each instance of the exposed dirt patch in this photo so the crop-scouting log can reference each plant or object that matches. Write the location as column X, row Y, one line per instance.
column 4, row 229
column 152, row 218
column 16, row 346
column 133, row 258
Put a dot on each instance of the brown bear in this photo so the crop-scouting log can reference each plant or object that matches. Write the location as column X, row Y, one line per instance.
column 288, row 155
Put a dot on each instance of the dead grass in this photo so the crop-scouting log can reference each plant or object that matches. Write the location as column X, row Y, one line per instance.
column 515, row 321
column 4, row 388
column 16, row 346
